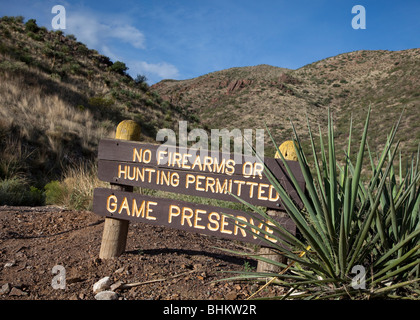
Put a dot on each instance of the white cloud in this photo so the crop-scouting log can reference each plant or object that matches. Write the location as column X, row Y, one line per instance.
column 94, row 33
column 128, row 34
column 163, row 70
column 104, row 34
column 106, row 51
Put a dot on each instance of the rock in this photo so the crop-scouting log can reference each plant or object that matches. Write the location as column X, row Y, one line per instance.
column 106, row 295
column 120, row 270
column 236, row 85
column 217, row 296
column 198, row 266
column 17, row 292
column 102, row 285
column 231, row 295
column 9, row 264
column 254, row 287
column 5, row 289
column 285, row 78
column 117, row 285
column 75, row 279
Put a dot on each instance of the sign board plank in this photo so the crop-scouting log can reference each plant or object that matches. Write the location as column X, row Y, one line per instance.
column 192, row 217
column 255, row 191
column 197, row 160
column 174, row 157
column 190, row 171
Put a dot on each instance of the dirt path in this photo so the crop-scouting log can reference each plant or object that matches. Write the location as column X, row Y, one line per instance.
column 34, row 240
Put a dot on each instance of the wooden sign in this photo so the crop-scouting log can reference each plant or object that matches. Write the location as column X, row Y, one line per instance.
column 195, row 172
column 199, row 218
column 190, row 171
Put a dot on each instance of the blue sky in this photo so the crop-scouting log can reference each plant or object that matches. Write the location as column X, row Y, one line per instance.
column 188, row 38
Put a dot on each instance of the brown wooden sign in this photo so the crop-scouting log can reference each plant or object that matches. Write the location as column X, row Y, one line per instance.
column 199, row 218
column 195, row 172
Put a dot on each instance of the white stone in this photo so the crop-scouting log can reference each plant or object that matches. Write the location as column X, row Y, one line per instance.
column 102, row 285
column 9, row 264
column 5, row 289
column 106, row 295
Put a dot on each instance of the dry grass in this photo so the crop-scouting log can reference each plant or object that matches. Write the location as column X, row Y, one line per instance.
column 75, row 191
column 27, row 107
column 42, row 133
column 80, row 181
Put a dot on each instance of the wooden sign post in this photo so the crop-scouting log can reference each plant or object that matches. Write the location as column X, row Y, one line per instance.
column 287, row 149
column 126, row 163
column 115, row 232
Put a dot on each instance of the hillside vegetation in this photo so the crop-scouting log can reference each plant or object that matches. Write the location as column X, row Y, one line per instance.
column 58, row 98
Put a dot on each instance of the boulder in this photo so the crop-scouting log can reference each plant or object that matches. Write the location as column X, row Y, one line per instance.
column 106, row 295
column 102, row 285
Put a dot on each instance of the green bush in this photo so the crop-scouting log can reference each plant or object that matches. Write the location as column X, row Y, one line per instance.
column 140, row 79
column 72, row 37
column 99, row 101
column 119, row 67
column 149, row 102
column 55, row 192
column 31, row 26
column 16, row 192
column 26, row 58
column 75, row 68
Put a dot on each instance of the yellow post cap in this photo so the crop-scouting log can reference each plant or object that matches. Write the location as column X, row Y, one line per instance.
column 288, row 151
column 128, row 130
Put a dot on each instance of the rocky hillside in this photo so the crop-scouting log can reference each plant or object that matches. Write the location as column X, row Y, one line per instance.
column 58, row 98
column 249, row 97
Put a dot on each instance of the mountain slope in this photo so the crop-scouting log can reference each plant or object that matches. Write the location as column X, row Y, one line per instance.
column 58, row 99
column 251, row 97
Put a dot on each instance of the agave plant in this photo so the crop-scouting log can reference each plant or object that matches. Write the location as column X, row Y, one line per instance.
column 356, row 221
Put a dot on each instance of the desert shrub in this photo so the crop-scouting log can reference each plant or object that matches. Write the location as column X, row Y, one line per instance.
column 140, row 79
column 71, row 37
column 15, row 191
column 149, row 102
column 75, row 190
column 55, row 192
column 143, row 86
column 55, row 76
column 82, row 49
column 119, row 67
column 12, row 65
column 75, row 68
column 31, row 26
column 99, row 101
column 353, row 216
column 26, row 58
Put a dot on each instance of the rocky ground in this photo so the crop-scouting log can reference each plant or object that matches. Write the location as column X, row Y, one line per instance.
column 159, row 263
